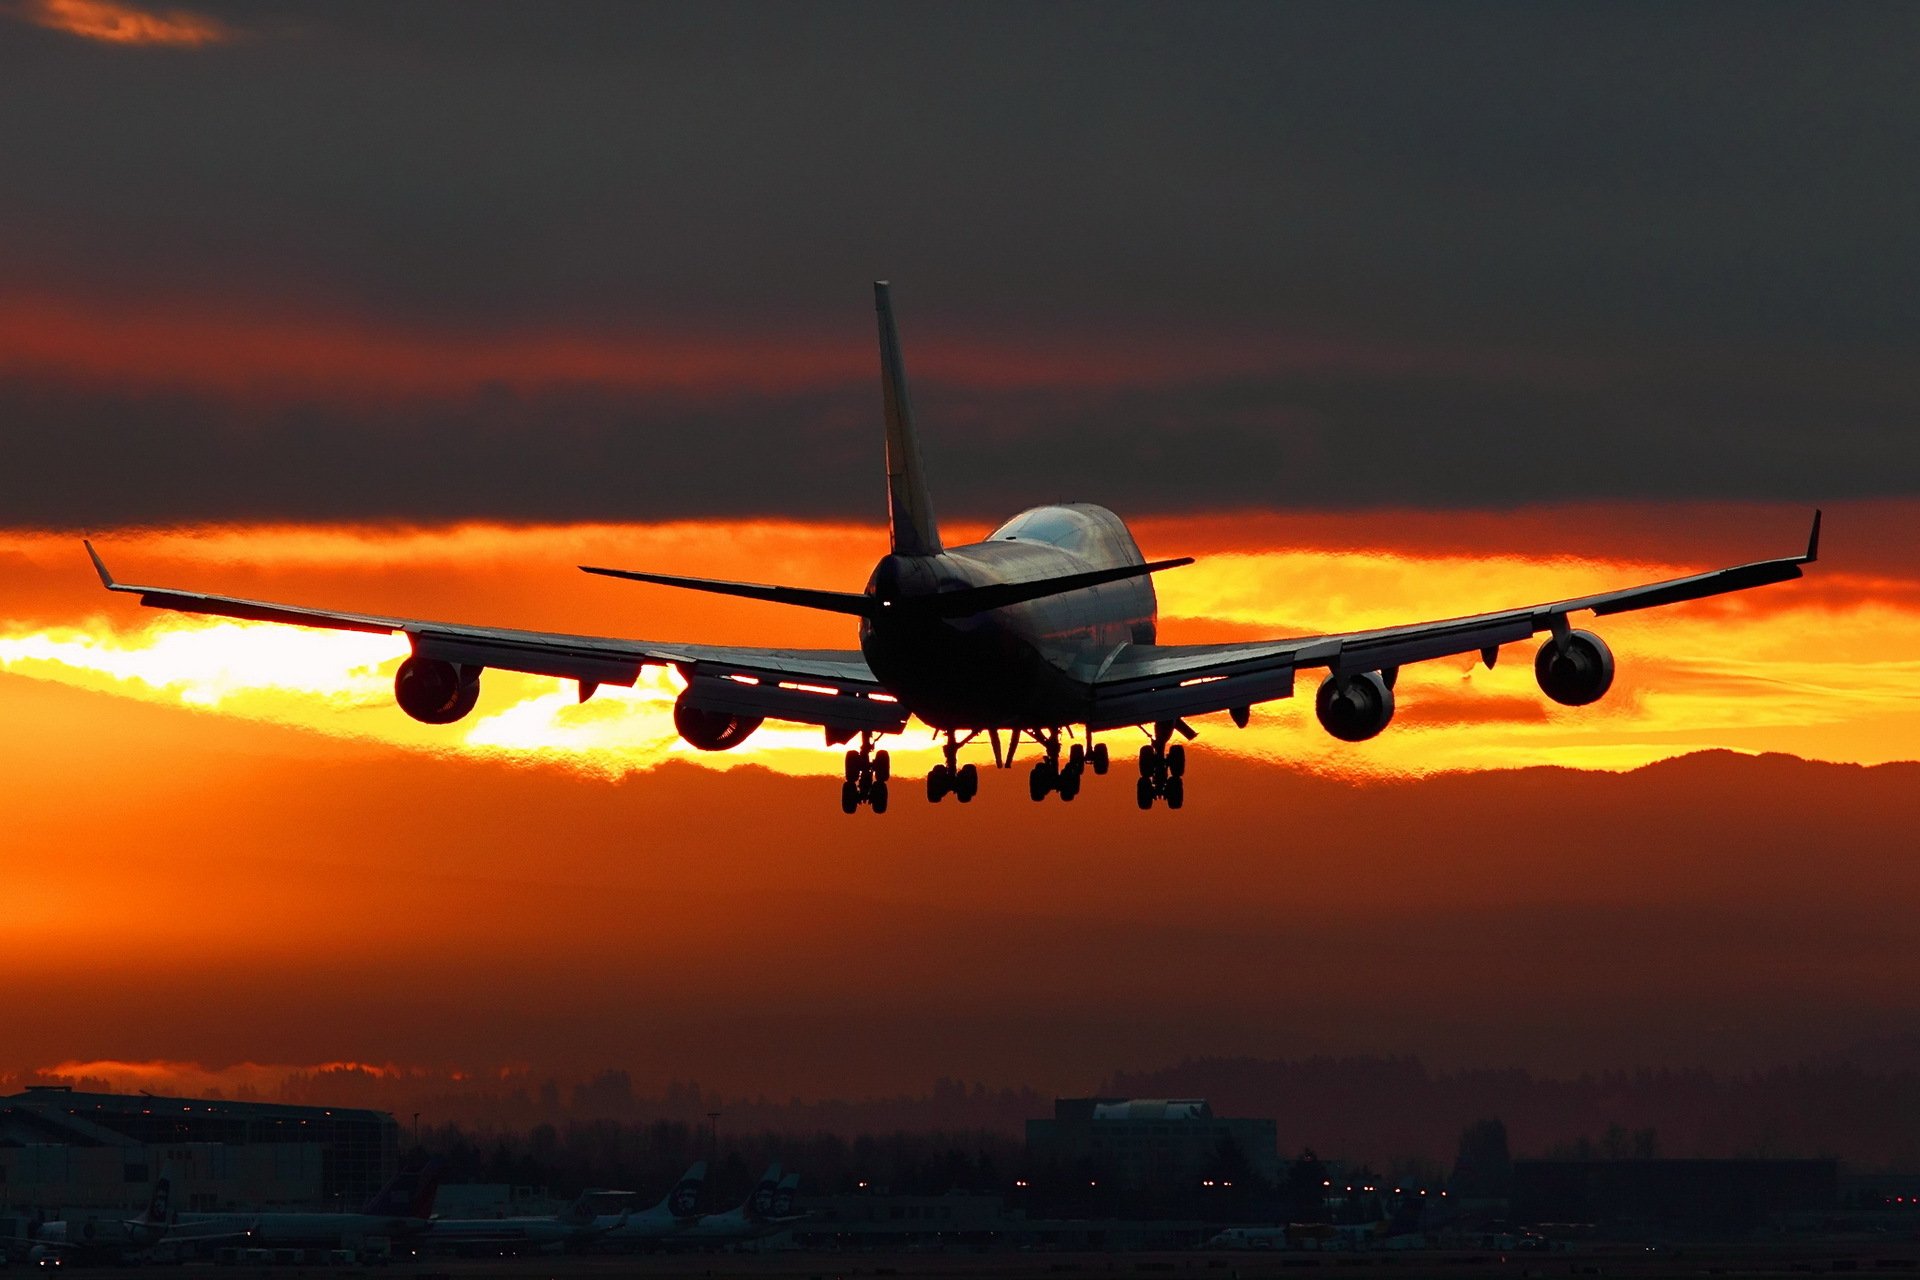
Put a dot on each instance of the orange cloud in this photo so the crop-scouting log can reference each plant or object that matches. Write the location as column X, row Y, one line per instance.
column 113, row 23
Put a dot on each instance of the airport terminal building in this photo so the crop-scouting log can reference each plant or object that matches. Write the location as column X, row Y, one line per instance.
column 60, row 1149
column 1140, row 1141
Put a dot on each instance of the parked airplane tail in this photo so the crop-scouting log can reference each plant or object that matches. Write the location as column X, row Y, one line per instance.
column 582, row 1210
column 409, row 1195
column 684, row 1199
column 760, row 1203
column 909, row 512
column 160, row 1203
column 784, row 1195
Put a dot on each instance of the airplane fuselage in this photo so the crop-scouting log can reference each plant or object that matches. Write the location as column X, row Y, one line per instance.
column 1028, row 665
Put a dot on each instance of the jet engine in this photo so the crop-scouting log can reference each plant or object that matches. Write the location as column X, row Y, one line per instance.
column 435, row 692
column 1357, row 712
column 711, row 730
column 1576, row 671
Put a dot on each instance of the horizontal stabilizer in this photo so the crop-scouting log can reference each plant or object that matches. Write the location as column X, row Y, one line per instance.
column 860, row 606
column 946, row 604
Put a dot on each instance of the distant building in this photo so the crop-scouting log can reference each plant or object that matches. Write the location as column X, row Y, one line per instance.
column 1686, row 1196
column 60, row 1149
column 1141, row 1142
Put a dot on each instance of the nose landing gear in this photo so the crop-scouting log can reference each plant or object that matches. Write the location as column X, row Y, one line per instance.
column 866, row 776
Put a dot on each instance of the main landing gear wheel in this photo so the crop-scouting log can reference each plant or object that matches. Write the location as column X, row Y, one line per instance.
column 1098, row 758
column 1162, row 768
column 866, row 774
column 950, row 777
column 1052, row 774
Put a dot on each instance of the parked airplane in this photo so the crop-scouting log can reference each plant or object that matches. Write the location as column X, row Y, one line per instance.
column 150, row 1236
column 576, row 1225
column 751, row 1219
column 402, row 1208
column 676, row 1211
column 1046, row 627
column 154, row 1233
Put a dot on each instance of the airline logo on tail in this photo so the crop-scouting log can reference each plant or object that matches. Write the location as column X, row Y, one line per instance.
column 686, row 1193
column 159, row 1206
column 760, row 1203
column 784, row 1194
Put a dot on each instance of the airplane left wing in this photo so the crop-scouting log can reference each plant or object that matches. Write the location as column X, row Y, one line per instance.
column 829, row 687
column 1143, row 684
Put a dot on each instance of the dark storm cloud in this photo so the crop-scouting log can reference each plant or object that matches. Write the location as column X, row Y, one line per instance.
column 1711, row 206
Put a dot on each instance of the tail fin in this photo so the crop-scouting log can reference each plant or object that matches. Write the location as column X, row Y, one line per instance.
column 684, row 1199
column 909, row 513
column 409, row 1195
column 760, row 1203
column 159, row 1205
column 783, row 1197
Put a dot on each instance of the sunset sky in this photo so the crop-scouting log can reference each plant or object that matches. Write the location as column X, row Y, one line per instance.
column 1384, row 313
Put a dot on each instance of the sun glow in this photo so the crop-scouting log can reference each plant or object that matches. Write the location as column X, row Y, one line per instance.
column 1819, row 668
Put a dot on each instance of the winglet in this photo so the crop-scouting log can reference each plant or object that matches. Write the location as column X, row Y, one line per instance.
column 100, row 566
column 1813, row 540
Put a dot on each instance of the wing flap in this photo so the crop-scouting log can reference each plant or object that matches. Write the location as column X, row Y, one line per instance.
column 1192, row 697
column 835, row 709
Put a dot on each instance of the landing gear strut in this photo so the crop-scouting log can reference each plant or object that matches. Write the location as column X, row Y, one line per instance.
column 1163, row 770
column 867, row 772
column 950, row 777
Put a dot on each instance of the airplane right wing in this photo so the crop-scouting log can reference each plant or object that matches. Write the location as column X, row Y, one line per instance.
column 1142, row 684
column 829, row 687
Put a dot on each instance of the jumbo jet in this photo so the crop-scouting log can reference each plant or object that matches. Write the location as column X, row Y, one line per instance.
column 1046, row 629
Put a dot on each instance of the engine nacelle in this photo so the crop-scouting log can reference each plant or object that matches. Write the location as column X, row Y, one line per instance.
column 711, row 730
column 1357, row 712
column 1576, row 673
column 435, row 692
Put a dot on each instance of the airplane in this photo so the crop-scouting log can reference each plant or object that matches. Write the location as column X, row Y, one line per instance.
column 675, row 1212
column 157, row 1229
column 1047, row 628
column 550, row 1234
column 751, row 1219
column 402, row 1208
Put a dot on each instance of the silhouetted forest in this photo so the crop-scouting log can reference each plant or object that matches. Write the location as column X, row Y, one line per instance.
column 1386, row 1112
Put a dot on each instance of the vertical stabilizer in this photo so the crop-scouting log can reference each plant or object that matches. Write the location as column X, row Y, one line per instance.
column 909, row 513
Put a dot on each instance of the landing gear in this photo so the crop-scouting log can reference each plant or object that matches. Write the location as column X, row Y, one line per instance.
column 1163, row 770
column 866, row 775
column 1054, row 775
column 944, row 780
column 950, row 777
